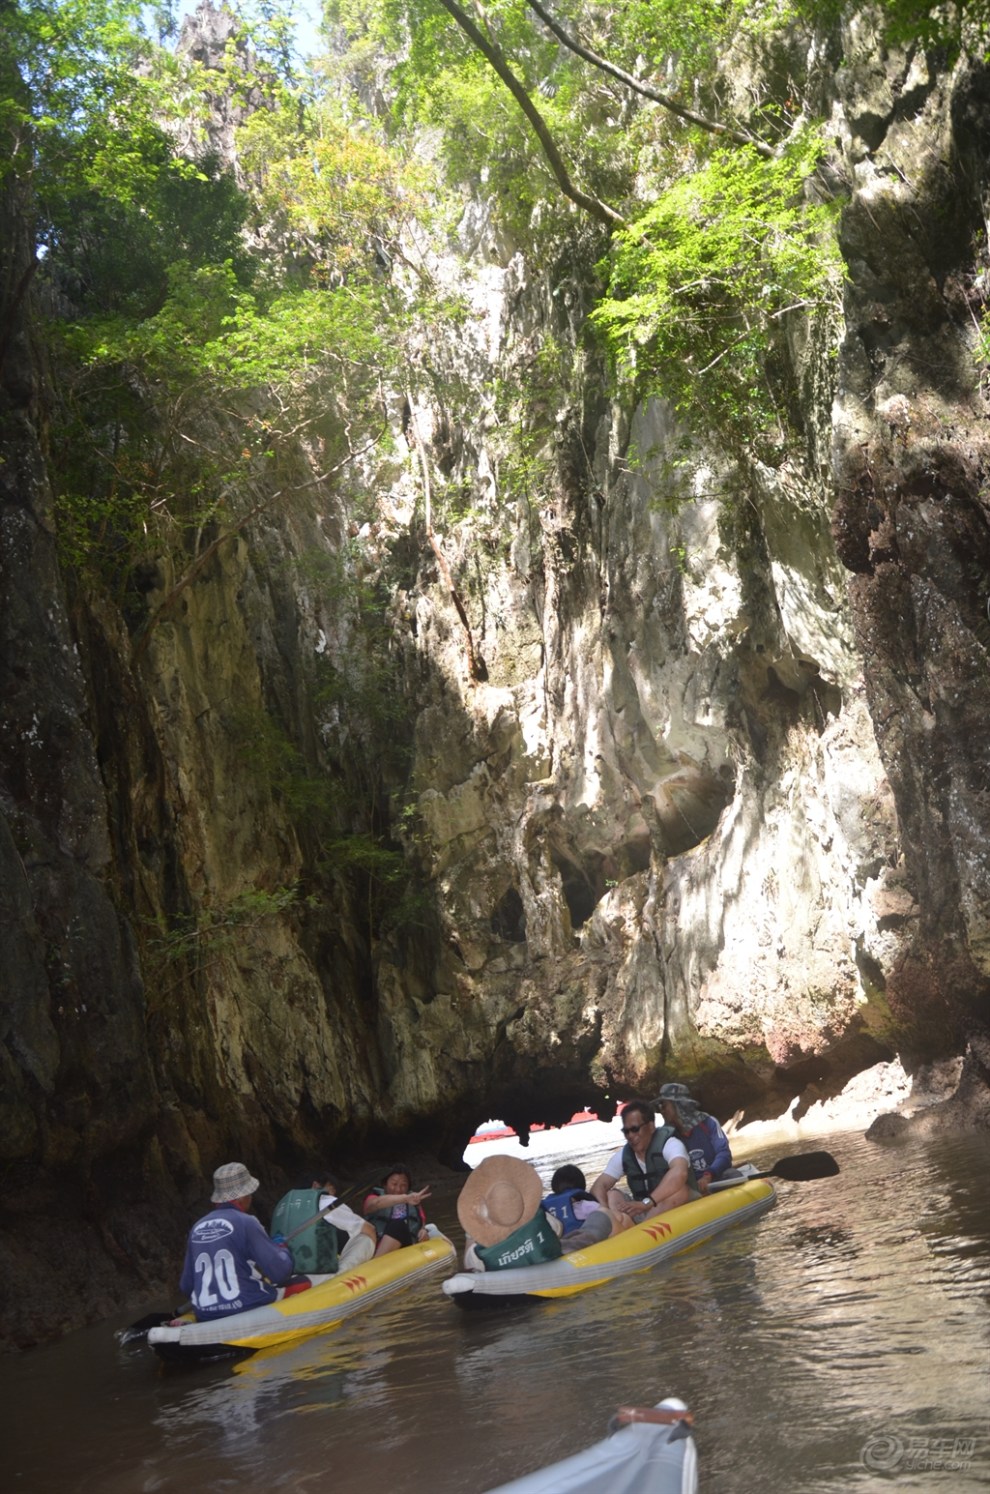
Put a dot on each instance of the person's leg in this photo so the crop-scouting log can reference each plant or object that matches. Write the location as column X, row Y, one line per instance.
column 618, row 1200
column 356, row 1252
column 397, row 1236
column 594, row 1229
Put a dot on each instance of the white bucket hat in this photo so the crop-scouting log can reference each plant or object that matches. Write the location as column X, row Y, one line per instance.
column 231, row 1181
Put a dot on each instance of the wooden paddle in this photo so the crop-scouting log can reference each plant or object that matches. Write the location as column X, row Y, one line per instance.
column 803, row 1168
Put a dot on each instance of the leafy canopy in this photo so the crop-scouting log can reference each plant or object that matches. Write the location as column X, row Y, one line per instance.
column 700, row 277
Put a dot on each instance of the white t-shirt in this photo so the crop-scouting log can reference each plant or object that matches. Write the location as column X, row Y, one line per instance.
column 342, row 1216
column 672, row 1149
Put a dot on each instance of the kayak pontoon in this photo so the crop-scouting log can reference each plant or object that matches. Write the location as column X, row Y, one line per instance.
column 327, row 1304
column 636, row 1249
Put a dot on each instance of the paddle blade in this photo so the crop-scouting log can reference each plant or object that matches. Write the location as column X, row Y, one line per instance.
column 806, row 1166
column 138, row 1332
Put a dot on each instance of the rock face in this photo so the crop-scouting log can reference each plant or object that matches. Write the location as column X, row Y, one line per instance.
column 714, row 807
column 911, row 512
column 78, row 1086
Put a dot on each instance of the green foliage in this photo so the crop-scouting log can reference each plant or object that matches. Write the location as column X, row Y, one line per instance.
column 441, row 81
column 397, row 899
column 209, row 328
column 126, row 480
column 276, row 765
column 685, row 37
column 365, row 854
column 78, row 63
column 701, row 277
column 221, row 929
column 112, row 257
column 331, row 192
column 165, row 313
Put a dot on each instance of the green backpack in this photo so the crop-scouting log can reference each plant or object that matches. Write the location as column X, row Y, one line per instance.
column 531, row 1244
column 314, row 1249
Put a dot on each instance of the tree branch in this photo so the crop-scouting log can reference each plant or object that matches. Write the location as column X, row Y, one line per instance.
column 738, row 137
column 192, row 571
column 14, row 305
column 496, row 58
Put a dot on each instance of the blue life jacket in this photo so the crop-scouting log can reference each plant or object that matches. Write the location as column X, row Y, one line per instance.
column 642, row 1184
column 561, row 1206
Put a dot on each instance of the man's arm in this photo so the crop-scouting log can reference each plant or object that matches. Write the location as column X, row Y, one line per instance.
column 605, row 1190
column 607, row 1178
column 274, row 1261
column 351, row 1223
column 599, row 1188
column 673, row 1182
column 188, row 1278
column 721, row 1155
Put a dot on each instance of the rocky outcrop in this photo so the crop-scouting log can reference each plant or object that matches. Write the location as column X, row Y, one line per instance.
column 713, row 808
column 911, row 516
column 78, row 1087
column 963, row 1105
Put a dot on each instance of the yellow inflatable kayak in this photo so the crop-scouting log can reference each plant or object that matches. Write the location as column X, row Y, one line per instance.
column 637, row 1249
column 327, row 1303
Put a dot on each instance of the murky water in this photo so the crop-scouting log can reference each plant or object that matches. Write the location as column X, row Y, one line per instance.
column 842, row 1342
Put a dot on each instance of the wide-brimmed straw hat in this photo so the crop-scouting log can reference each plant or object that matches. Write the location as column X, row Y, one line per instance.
column 231, row 1181
column 501, row 1194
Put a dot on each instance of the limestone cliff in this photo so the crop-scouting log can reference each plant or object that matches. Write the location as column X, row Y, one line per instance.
column 711, row 802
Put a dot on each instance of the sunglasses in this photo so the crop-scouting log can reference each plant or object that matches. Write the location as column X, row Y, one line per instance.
column 631, row 1130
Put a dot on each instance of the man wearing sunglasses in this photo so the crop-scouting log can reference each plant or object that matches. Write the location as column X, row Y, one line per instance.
column 654, row 1163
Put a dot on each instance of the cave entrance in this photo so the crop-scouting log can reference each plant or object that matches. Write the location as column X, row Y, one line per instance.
column 508, row 920
column 586, row 877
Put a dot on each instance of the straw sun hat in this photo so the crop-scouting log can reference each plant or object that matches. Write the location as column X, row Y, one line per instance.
column 501, row 1194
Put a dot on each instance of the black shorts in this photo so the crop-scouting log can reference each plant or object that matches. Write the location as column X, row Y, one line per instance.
column 401, row 1230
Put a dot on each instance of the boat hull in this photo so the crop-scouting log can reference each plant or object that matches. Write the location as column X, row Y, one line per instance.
column 328, row 1303
column 638, row 1459
column 495, row 1132
column 637, row 1249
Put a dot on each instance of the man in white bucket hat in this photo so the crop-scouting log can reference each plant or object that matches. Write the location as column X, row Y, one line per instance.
column 231, row 1264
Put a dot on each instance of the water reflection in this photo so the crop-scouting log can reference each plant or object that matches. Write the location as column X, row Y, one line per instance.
column 838, row 1343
